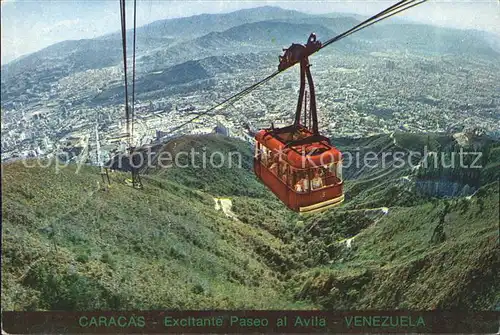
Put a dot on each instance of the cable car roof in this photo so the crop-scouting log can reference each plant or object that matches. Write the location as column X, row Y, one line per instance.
column 300, row 156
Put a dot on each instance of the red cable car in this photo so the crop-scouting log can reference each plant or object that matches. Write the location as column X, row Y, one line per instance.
column 298, row 164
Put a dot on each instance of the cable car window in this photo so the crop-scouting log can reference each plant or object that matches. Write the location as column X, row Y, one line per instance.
column 307, row 181
column 265, row 155
column 294, row 179
column 270, row 158
column 301, row 182
column 283, row 168
column 332, row 169
column 274, row 167
column 339, row 170
column 317, row 180
column 272, row 163
column 326, row 175
column 329, row 174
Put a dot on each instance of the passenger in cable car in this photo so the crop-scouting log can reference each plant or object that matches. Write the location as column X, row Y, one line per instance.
column 263, row 156
column 329, row 173
column 303, row 183
column 283, row 173
column 317, row 181
column 284, row 178
column 306, row 184
column 274, row 168
column 298, row 186
column 270, row 159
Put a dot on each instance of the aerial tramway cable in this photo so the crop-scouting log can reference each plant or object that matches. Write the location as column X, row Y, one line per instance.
column 393, row 10
column 133, row 74
column 124, row 44
column 129, row 110
column 386, row 13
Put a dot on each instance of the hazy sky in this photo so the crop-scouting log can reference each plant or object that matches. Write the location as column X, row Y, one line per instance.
column 28, row 26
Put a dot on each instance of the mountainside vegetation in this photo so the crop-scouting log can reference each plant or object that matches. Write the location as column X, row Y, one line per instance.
column 70, row 242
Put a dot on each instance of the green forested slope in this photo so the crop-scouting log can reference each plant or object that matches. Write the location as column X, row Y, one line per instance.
column 67, row 245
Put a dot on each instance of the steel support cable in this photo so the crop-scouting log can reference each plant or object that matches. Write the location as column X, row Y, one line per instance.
column 375, row 19
column 370, row 19
column 387, row 16
column 386, row 13
column 133, row 74
column 124, row 45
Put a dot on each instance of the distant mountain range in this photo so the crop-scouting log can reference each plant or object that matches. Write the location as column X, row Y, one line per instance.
column 186, row 28
column 166, row 43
